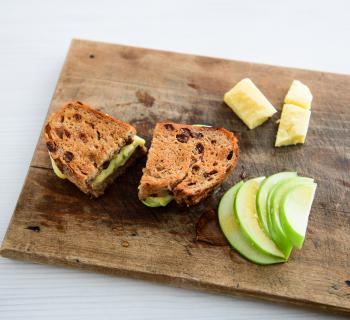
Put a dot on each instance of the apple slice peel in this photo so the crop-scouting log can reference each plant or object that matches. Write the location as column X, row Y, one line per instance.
column 246, row 214
column 231, row 230
column 295, row 210
column 261, row 197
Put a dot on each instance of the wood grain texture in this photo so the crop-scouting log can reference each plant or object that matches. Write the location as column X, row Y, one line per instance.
column 55, row 223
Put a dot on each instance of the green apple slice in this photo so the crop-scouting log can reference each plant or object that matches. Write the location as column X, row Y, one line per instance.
column 246, row 214
column 274, row 200
column 158, row 201
column 231, row 229
column 295, row 210
column 56, row 170
column 202, row 125
column 261, row 197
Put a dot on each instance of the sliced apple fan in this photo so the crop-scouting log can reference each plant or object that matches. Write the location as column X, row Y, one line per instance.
column 263, row 218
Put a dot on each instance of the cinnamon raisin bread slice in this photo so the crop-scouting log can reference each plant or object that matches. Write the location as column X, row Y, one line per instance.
column 186, row 163
column 90, row 148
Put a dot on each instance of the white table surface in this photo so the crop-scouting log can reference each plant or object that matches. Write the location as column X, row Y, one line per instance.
column 34, row 38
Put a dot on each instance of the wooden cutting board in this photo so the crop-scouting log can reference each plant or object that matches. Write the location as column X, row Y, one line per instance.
column 55, row 223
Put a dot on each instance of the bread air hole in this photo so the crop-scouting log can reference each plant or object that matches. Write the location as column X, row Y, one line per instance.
column 59, row 132
column 208, row 175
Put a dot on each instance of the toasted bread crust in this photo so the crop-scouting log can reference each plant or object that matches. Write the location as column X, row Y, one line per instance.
column 188, row 161
column 81, row 140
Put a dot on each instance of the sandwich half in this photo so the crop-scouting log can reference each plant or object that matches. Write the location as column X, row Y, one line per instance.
column 90, row 148
column 186, row 163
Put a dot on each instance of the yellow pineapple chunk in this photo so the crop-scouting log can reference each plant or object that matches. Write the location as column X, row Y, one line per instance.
column 249, row 104
column 299, row 94
column 293, row 125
